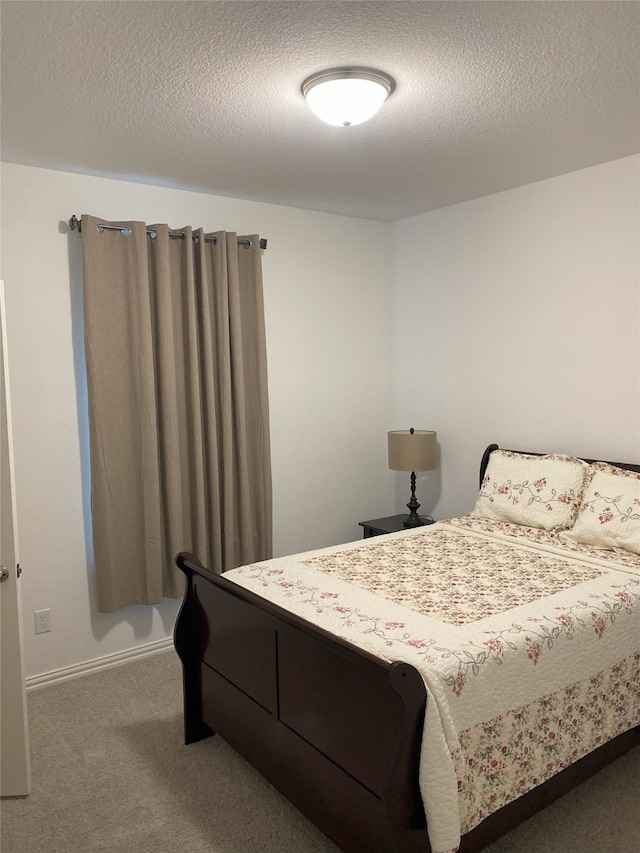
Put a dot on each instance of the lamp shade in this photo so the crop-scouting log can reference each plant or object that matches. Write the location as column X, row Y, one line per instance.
column 347, row 96
column 413, row 450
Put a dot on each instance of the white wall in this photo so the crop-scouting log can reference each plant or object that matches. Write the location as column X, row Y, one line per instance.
column 328, row 334
column 517, row 320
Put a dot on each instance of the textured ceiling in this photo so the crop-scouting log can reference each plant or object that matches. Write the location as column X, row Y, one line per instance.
column 206, row 96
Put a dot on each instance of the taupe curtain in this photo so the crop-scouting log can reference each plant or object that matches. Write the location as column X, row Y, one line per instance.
column 178, row 406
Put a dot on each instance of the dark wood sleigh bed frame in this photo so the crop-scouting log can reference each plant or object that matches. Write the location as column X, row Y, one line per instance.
column 333, row 728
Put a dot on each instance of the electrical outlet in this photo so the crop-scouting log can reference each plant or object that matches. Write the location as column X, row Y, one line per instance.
column 43, row 621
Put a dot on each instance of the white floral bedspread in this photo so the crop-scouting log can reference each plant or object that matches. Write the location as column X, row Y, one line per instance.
column 529, row 648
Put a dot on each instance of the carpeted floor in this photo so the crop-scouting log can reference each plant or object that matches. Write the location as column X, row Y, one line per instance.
column 111, row 775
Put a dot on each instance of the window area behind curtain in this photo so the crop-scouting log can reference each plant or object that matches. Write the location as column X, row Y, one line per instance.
column 178, row 406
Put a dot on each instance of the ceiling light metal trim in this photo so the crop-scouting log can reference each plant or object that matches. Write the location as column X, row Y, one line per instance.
column 372, row 74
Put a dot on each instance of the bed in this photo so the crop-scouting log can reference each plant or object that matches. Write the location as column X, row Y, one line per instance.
column 431, row 689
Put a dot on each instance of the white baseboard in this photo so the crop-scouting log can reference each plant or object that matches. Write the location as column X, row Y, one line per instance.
column 46, row 679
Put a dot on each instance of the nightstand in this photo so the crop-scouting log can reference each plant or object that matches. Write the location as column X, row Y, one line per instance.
column 391, row 524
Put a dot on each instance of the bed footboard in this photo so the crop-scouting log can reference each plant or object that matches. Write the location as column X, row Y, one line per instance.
column 335, row 729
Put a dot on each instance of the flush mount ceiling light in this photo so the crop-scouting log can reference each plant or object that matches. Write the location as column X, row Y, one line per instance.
column 346, row 96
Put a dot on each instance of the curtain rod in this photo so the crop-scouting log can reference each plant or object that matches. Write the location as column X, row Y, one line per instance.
column 76, row 224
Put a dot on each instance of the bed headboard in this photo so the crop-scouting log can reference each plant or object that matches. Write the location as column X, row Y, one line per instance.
column 630, row 466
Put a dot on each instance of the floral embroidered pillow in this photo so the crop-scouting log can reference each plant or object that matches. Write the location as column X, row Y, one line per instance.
column 609, row 516
column 535, row 491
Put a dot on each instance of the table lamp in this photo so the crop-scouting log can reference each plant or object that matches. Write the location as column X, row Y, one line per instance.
column 413, row 450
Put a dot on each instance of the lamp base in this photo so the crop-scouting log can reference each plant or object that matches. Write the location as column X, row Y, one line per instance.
column 413, row 519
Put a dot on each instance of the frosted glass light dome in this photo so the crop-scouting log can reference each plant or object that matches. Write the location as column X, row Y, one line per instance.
column 347, row 96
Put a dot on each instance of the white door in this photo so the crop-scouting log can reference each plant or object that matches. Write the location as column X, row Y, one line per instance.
column 14, row 734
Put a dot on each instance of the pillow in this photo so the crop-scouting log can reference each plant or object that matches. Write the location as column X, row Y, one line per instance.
column 535, row 491
column 609, row 516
